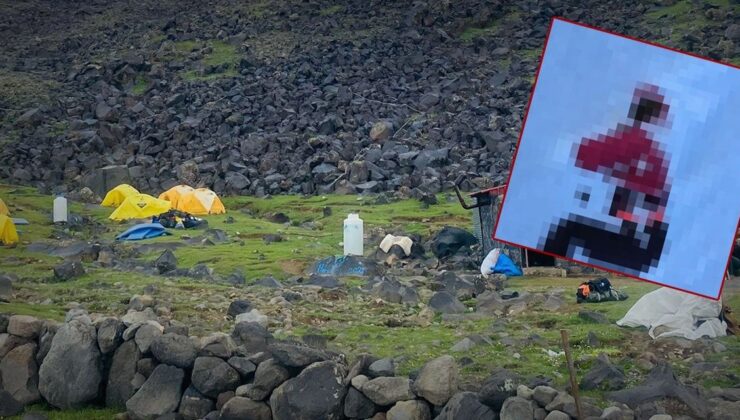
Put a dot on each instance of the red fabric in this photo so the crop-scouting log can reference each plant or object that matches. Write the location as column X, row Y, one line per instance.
column 629, row 156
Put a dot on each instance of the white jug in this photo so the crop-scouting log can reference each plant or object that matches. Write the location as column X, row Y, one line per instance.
column 60, row 210
column 353, row 235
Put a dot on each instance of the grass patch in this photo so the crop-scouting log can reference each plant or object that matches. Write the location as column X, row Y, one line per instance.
column 141, row 84
column 331, row 10
column 87, row 413
column 19, row 91
column 222, row 55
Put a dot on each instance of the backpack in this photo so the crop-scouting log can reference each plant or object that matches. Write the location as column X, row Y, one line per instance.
column 597, row 290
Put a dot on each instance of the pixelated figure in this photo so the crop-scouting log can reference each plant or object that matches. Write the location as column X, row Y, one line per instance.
column 630, row 159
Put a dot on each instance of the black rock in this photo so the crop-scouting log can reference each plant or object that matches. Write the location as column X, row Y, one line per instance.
column 68, row 270
column 252, row 336
column 240, row 408
column 8, row 405
column 160, row 394
column 357, row 405
column 603, row 375
column 466, row 405
column 173, row 349
column 446, row 303
column 166, row 262
column 269, row 282
column 267, row 377
column 122, row 372
column 239, row 306
column 316, row 393
column 328, row 282
column 295, row 355
column 280, row 218
column 109, row 334
column 382, row 367
column 242, row 365
column 195, row 405
column 212, row 376
column 593, row 317
column 498, row 387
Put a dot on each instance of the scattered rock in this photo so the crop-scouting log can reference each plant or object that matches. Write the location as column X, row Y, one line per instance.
column 446, row 303
column 603, row 375
column 68, row 270
column 160, row 394
column 239, row 306
column 269, row 282
column 593, row 317
column 166, row 262
column 253, row 316
column 449, row 240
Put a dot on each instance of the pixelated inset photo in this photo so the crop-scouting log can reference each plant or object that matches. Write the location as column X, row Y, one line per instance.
column 629, row 160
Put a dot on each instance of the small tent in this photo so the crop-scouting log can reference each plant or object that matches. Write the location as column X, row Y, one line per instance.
column 8, row 234
column 4, row 209
column 201, row 201
column 118, row 195
column 140, row 206
column 173, row 194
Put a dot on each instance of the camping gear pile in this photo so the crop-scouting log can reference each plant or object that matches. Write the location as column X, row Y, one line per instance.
column 598, row 290
column 175, row 219
column 497, row 262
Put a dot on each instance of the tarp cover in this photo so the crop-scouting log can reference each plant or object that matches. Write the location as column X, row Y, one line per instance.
column 671, row 313
column 142, row 231
column 506, row 265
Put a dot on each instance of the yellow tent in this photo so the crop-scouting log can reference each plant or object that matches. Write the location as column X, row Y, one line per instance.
column 140, row 206
column 117, row 195
column 8, row 234
column 200, row 202
column 4, row 209
column 173, row 194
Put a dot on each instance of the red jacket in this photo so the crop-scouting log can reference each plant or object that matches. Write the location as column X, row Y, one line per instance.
column 628, row 156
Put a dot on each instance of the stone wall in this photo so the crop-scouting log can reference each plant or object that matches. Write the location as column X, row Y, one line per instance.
column 151, row 371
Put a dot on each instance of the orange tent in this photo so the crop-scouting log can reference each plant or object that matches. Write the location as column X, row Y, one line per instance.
column 200, row 202
column 174, row 194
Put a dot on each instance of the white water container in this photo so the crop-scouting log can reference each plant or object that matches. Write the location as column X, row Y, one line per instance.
column 60, row 210
column 353, row 235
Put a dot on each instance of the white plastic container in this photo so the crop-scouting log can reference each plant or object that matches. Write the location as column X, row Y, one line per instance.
column 60, row 210
column 353, row 235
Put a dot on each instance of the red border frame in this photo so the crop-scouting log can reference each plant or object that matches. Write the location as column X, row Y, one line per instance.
column 521, row 133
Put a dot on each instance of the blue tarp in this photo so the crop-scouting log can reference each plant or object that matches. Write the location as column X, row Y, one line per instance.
column 505, row 265
column 142, row 231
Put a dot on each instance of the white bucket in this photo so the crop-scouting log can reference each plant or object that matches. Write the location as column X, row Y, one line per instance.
column 353, row 235
column 60, row 210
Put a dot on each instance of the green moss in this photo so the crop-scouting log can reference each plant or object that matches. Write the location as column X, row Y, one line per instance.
column 20, row 91
column 331, row 10
column 58, row 128
column 88, row 413
column 54, row 312
column 141, row 84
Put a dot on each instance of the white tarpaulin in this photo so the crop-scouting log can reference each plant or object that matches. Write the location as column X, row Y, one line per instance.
column 486, row 267
column 671, row 313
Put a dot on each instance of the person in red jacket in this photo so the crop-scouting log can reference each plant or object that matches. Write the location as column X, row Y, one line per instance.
column 629, row 158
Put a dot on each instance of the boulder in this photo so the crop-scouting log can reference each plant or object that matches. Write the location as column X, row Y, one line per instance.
column 242, row 365
column 466, row 405
column 316, row 393
column 557, row 415
column 240, row 408
column 381, row 131
column 212, row 376
column 409, row 410
column 121, row 374
column 173, row 349
column 8, row 405
column 357, row 405
column 160, row 394
column 48, row 331
column 146, row 334
column 295, row 355
column 382, row 367
column 24, row 326
column 254, row 316
column 166, row 262
column 387, row 390
column 19, row 374
column 252, row 336
column 446, row 303
column 267, row 377
column 498, row 387
column 68, row 270
column 437, row 381
column 8, row 342
column 195, row 405
column 516, row 408
column 239, row 306
column 110, row 334
column 217, row 345
column 544, row 394
column 71, row 373
column 603, row 375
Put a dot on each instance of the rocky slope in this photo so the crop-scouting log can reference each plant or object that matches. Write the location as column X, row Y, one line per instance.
column 291, row 97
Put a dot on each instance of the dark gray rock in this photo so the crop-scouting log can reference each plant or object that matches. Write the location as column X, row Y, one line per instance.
column 195, row 405
column 121, row 374
column 68, row 270
column 212, row 376
column 382, row 367
column 316, row 393
column 603, row 375
column 240, row 408
column 446, row 303
column 498, row 387
column 385, row 391
column 8, row 342
column 325, row 281
column 6, row 289
column 465, row 405
column 252, row 336
column 175, row 350
column 269, row 282
column 48, row 331
column 239, row 306
column 110, row 332
column 146, row 334
column 295, row 355
column 19, row 374
column 516, row 408
column 544, row 394
column 593, row 317
column 267, row 377
column 160, row 394
column 71, row 373
column 393, row 291
column 217, row 345
column 243, row 366
column 146, row 366
column 357, row 405
column 8, row 405
column 166, row 262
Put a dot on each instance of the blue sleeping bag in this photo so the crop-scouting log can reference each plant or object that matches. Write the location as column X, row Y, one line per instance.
column 142, row 231
column 505, row 265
